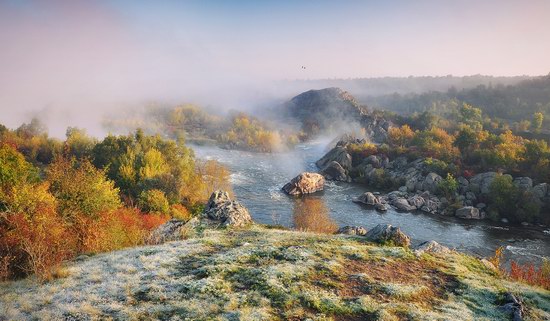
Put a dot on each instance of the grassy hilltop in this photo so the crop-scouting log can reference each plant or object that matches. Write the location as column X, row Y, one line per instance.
column 261, row 273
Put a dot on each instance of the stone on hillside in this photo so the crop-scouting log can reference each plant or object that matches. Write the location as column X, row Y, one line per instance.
column 338, row 154
column 431, row 247
column 468, row 212
column 352, row 230
column 540, row 190
column 384, row 233
column 172, row 230
column 334, row 171
column 480, row 183
column 229, row 212
column 431, row 182
column 305, row 183
column 524, row 183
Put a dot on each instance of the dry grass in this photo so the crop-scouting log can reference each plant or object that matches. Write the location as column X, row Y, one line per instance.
column 266, row 274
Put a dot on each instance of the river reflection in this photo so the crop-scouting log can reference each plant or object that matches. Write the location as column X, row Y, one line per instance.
column 311, row 214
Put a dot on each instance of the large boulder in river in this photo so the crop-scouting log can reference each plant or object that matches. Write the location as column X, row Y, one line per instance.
column 385, row 233
column 335, row 172
column 229, row 212
column 401, row 204
column 305, row 183
column 468, row 212
column 367, row 198
column 338, row 154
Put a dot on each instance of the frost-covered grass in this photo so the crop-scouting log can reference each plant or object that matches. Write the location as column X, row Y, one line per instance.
column 267, row 274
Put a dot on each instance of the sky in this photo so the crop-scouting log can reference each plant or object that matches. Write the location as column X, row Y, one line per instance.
column 75, row 56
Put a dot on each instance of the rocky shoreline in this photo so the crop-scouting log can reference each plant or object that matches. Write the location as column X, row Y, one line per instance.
column 419, row 186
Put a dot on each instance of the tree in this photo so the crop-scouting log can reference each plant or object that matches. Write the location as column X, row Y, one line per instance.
column 154, row 201
column 538, row 117
column 81, row 189
column 400, row 136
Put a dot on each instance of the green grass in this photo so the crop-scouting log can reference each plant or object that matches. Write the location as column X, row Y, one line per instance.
column 262, row 273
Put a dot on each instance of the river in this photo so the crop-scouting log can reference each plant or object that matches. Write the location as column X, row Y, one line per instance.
column 257, row 180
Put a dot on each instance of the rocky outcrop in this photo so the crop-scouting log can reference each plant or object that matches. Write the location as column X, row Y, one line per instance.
column 305, row 183
column 431, row 247
column 339, row 155
column 352, row 230
column 367, row 198
column 335, row 172
column 221, row 208
column 513, row 306
column 172, row 230
column 480, row 183
column 385, row 233
column 468, row 212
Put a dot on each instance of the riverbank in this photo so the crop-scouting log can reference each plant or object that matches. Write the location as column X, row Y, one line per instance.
column 260, row 273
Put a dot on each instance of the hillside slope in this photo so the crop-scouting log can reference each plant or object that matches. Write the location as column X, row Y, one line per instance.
column 267, row 274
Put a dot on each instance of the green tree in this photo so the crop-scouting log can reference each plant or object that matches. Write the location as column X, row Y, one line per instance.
column 81, row 189
column 538, row 117
column 154, row 201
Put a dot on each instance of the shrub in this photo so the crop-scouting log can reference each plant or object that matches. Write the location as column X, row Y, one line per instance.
column 118, row 229
column 180, row 212
column 37, row 244
column 154, row 201
column 529, row 274
column 507, row 200
column 448, row 186
column 81, row 189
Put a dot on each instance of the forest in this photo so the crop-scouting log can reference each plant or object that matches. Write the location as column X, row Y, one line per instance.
column 86, row 195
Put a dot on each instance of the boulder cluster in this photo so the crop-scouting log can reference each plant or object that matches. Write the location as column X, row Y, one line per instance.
column 419, row 184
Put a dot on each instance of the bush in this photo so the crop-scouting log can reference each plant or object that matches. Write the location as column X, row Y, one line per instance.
column 154, row 201
column 180, row 212
column 37, row 244
column 448, row 186
column 119, row 229
column 507, row 200
column 81, row 189
column 312, row 215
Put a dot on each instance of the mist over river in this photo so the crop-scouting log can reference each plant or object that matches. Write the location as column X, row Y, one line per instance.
column 257, row 180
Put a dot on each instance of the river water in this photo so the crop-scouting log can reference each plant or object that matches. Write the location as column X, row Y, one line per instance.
column 257, row 180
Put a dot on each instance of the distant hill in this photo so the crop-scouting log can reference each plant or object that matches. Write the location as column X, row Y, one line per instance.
column 320, row 110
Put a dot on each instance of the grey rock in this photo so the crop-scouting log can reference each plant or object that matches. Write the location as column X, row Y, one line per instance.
column 524, row 183
column 513, row 306
column 403, row 189
column 431, row 247
column 540, row 190
column 383, row 233
column 471, row 196
column 381, row 207
column 416, row 201
column 172, row 230
column 480, row 183
column 352, row 230
column 402, row 204
column 431, row 182
column 468, row 212
column 481, row 205
column 335, row 171
column 338, row 154
column 368, row 198
column 228, row 212
column 305, row 183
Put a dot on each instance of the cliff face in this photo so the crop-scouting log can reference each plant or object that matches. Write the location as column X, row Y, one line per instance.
column 265, row 274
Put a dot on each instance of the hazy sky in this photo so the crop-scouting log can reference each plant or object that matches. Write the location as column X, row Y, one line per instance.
column 61, row 53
